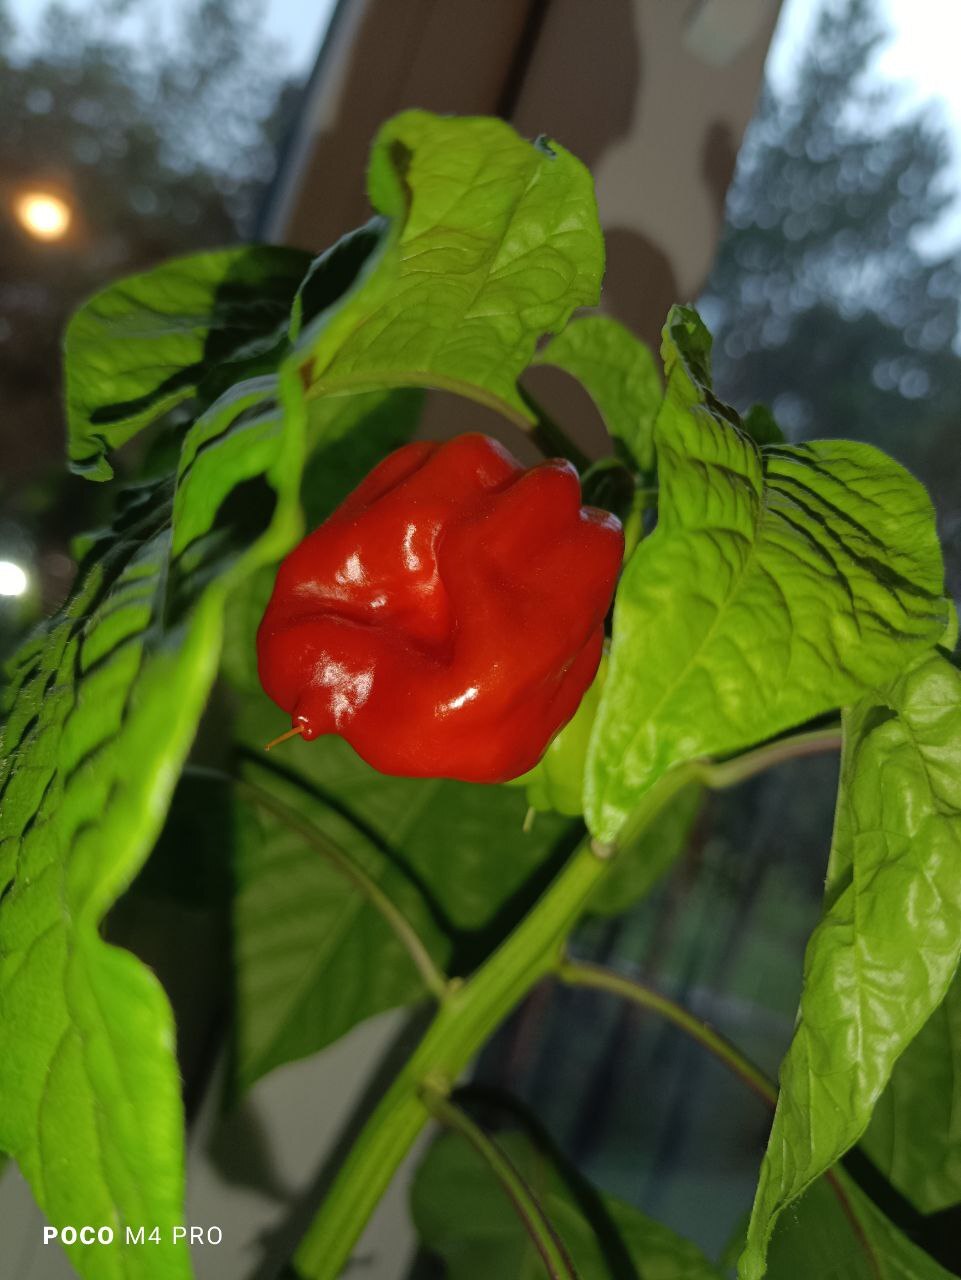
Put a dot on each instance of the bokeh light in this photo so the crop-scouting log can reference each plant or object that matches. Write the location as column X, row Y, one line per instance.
column 43, row 215
column 13, row 579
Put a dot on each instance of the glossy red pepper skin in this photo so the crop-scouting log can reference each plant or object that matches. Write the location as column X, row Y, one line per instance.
column 447, row 618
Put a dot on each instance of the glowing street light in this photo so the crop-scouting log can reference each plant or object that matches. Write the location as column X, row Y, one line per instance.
column 13, row 580
column 42, row 214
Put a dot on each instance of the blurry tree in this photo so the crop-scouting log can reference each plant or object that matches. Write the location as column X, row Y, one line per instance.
column 823, row 301
column 159, row 125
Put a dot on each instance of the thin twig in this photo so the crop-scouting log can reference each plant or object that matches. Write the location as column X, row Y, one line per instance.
column 531, row 1213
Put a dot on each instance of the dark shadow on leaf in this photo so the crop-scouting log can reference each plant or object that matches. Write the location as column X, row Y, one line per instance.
column 469, row 947
column 490, row 1106
column 241, row 518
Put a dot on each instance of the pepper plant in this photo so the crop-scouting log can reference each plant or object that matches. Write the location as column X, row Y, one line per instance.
column 774, row 599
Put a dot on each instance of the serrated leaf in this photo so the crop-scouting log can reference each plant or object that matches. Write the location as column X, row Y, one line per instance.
column 881, row 959
column 780, row 583
column 313, row 958
column 145, row 343
column 619, row 373
column 914, row 1136
column 462, row 1214
column 103, row 706
column 492, row 243
column 844, row 1236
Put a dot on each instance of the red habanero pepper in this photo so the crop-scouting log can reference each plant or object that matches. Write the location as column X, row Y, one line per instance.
column 447, row 618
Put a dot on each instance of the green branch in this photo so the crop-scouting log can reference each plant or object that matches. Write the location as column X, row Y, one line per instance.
column 465, row 1020
column 526, row 1205
column 728, row 773
column 579, row 973
column 470, row 1013
column 434, row 979
column 462, row 1024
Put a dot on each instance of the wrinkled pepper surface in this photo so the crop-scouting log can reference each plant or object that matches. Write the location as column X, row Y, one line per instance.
column 447, row 618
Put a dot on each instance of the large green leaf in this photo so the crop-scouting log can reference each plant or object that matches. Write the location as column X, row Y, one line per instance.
column 887, row 947
column 836, row 1233
column 313, row 957
column 915, row 1132
column 147, row 342
column 492, row 242
column 779, row 583
column 103, row 706
column 463, row 1215
column 619, row 374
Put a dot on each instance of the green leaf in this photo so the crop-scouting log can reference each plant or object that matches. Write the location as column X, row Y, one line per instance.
column 949, row 641
column 313, row 958
column 333, row 272
column 462, row 1214
column 779, row 584
column 620, row 375
column 492, row 242
column 640, row 864
column 610, row 484
column 914, row 1136
column 844, row 1236
column 761, row 425
column 146, row 343
column 881, row 959
column 103, row 706
column 347, row 437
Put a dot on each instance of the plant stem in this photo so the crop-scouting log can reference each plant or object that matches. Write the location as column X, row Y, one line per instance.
column 435, row 980
column 461, row 1026
column 580, row 973
column 463, row 1023
column 531, row 1213
column 730, row 772
column 470, row 1013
